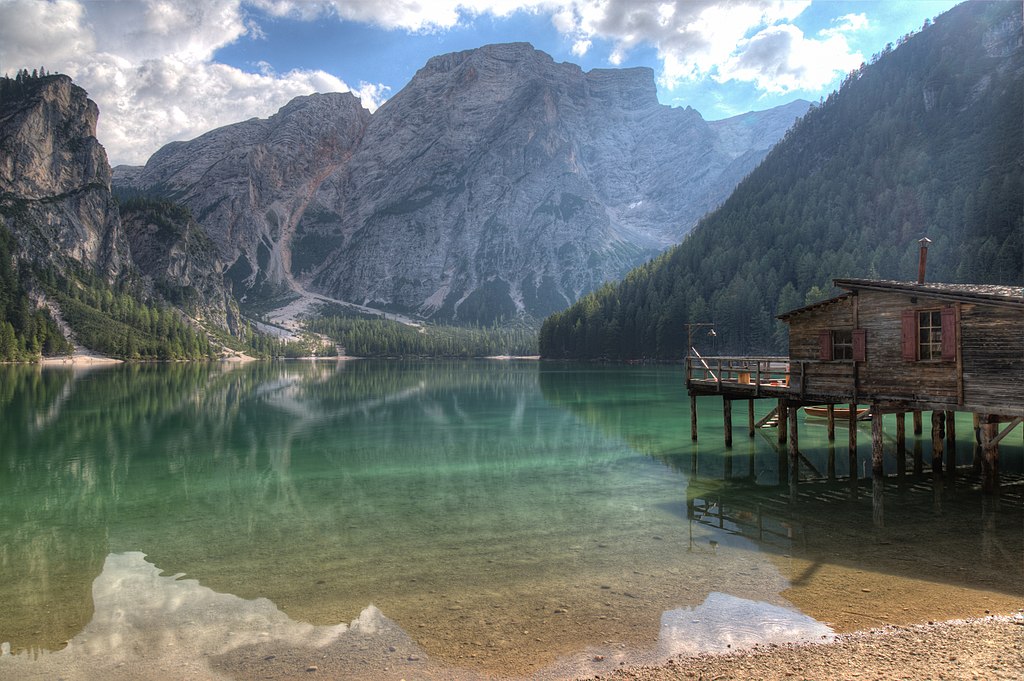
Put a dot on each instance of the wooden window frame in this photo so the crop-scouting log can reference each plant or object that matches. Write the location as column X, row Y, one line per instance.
column 842, row 345
column 939, row 344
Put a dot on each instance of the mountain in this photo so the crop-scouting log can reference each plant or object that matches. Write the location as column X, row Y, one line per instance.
column 54, row 175
column 496, row 184
column 73, row 267
column 927, row 139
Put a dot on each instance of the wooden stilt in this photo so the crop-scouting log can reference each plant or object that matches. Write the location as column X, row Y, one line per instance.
column 852, row 424
column 831, row 461
column 727, row 420
column 750, row 418
column 727, row 466
column 831, row 422
column 693, row 417
column 783, row 422
column 794, row 453
column 937, row 418
column 917, row 422
column 918, row 456
column 901, row 444
column 950, row 443
column 877, row 469
column 977, row 427
column 989, row 454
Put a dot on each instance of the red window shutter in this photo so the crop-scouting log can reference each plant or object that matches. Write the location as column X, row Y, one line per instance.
column 948, row 334
column 908, row 335
column 825, row 345
column 860, row 345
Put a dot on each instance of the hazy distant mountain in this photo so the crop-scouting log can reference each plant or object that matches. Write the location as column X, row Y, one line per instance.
column 497, row 183
column 926, row 140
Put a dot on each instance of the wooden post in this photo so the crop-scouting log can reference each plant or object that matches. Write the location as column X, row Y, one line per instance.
column 831, row 422
column 918, row 457
column 727, row 420
column 783, row 421
column 693, row 417
column 951, row 443
column 901, row 444
column 937, row 431
column 727, row 466
column 917, row 422
column 852, row 422
column 877, row 470
column 831, row 461
column 794, row 453
column 989, row 454
column 750, row 418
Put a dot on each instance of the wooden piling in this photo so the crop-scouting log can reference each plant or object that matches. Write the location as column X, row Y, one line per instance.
column 937, row 431
column 989, row 454
column 853, row 443
column 727, row 420
column 750, row 418
column 877, row 469
column 783, row 421
column 831, row 422
column 693, row 417
column 950, row 443
column 917, row 422
column 901, row 444
column 794, row 453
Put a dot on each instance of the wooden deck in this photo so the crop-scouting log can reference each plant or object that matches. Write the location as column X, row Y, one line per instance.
column 743, row 377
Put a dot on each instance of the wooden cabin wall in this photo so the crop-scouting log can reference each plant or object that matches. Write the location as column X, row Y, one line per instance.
column 885, row 373
column 992, row 344
column 823, row 379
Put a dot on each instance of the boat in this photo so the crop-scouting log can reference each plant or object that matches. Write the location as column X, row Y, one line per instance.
column 840, row 412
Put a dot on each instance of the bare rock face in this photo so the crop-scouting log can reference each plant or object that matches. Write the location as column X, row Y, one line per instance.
column 496, row 184
column 248, row 184
column 54, row 177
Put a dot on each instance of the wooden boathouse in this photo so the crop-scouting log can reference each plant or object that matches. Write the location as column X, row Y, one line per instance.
column 897, row 346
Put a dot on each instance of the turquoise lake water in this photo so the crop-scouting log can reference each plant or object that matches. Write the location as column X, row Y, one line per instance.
column 511, row 518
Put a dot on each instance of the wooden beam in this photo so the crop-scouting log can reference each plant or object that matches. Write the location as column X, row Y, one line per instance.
column 1006, row 431
column 917, row 422
column 831, row 421
column 750, row 418
column 774, row 413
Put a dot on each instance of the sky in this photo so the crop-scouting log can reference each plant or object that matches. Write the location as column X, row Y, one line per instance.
column 166, row 70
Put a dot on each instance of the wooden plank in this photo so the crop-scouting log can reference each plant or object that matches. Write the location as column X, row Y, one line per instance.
column 1006, row 431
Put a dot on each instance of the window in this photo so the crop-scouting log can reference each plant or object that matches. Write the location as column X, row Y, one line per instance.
column 929, row 334
column 842, row 345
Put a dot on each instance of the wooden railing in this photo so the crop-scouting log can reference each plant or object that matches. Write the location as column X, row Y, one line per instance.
column 755, row 372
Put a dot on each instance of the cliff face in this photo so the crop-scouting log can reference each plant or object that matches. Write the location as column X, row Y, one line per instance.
column 54, row 176
column 497, row 183
column 248, row 184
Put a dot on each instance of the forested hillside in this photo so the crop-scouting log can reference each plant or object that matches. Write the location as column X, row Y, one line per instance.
column 926, row 140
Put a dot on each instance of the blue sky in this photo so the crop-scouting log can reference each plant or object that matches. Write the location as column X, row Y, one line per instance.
column 164, row 70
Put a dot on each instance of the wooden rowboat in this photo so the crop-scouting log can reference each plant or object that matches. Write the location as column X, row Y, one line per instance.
column 840, row 412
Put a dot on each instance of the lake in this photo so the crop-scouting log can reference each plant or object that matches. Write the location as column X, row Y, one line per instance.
column 380, row 519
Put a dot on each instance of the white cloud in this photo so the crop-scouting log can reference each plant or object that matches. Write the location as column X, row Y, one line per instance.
column 149, row 66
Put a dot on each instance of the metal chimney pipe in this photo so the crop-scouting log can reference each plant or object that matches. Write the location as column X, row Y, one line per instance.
column 923, row 260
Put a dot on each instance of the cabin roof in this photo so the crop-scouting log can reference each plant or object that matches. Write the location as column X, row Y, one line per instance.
column 985, row 294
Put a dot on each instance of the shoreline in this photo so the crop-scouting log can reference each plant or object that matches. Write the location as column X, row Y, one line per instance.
column 990, row 647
